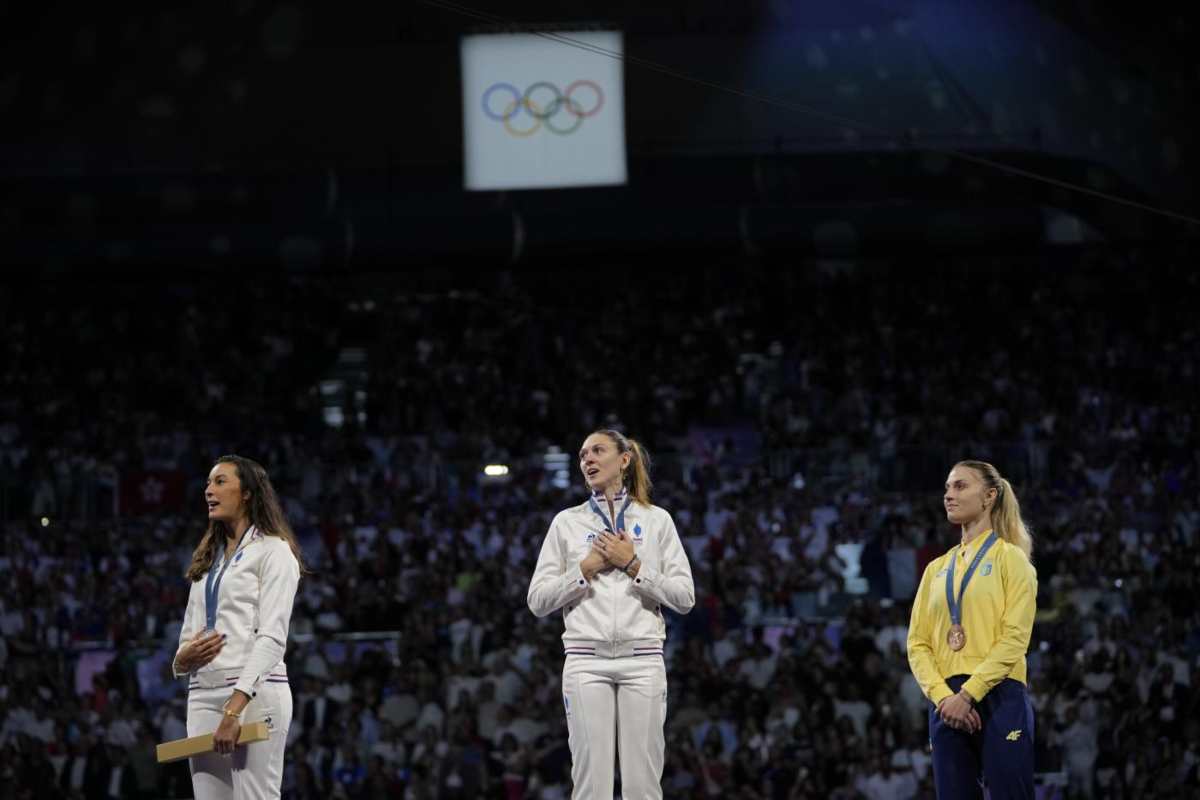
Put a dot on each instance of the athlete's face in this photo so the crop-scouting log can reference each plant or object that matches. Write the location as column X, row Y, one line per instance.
column 966, row 498
column 224, row 494
column 601, row 462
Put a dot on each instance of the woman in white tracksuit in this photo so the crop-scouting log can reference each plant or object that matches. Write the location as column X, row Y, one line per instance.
column 244, row 575
column 611, row 564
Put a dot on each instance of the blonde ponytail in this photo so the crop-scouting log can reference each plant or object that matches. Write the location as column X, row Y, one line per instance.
column 635, row 478
column 1006, row 519
column 1006, row 513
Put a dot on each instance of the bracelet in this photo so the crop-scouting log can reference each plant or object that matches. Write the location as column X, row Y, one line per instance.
column 625, row 568
column 229, row 713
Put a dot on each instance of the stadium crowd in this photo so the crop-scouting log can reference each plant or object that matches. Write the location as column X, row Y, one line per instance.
column 805, row 422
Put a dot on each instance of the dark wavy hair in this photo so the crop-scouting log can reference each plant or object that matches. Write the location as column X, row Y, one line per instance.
column 263, row 509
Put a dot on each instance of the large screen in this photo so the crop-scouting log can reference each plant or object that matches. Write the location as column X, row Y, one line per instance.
column 543, row 111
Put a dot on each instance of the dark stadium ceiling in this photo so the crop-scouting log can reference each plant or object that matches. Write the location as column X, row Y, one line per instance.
column 1142, row 33
column 108, row 113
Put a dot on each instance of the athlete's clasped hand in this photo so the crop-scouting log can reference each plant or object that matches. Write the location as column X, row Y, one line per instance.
column 957, row 712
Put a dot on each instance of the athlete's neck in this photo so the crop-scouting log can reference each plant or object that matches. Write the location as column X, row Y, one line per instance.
column 240, row 526
column 611, row 490
column 973, row 529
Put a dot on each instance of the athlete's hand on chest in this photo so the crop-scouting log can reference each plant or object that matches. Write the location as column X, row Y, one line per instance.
column 617, row 548
column 199, row 650
column 594, row 563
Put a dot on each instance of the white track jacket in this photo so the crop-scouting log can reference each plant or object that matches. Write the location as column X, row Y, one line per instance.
column 614, row 614
column 254, row 609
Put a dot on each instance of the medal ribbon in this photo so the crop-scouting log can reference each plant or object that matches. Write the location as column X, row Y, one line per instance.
column 956, row 606
column 212, row 586
column 620, row 514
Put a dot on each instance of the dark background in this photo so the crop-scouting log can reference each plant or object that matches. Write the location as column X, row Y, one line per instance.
column 316, row 137
column 859, row 242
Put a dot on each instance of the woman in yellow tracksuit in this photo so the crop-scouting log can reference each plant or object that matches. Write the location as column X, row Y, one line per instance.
column 971, row 623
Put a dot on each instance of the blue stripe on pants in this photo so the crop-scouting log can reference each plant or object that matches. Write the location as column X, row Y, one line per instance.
column 1001, row 753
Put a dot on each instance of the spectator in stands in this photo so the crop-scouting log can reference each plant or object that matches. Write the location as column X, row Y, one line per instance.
column 1116, row 570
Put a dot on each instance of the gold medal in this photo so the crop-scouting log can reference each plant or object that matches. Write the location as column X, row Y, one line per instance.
column 956, row 637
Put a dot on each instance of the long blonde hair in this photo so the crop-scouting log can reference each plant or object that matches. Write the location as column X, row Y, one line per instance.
column 263, row 509
column 636, row 478
column 1006, row 513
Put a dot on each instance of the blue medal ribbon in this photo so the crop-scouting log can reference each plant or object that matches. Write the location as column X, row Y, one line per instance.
column 956, row 605
column 212, row 585
column 620, row 514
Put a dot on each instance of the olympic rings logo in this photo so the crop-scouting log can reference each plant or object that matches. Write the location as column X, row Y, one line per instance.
column 546, row 109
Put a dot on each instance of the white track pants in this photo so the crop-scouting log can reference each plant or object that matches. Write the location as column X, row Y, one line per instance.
column 254, row 771
column 615, row 706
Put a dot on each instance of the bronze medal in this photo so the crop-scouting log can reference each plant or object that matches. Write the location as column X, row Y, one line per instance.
column 956, row 637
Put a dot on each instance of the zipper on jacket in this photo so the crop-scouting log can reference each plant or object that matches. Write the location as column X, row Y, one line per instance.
column 615, row 600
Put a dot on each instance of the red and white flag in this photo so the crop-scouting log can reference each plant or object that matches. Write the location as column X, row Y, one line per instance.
column 152, row 491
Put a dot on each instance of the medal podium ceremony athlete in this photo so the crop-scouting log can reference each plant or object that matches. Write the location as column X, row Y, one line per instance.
column 611, row 563
column 244, row 575
column 972, row 619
